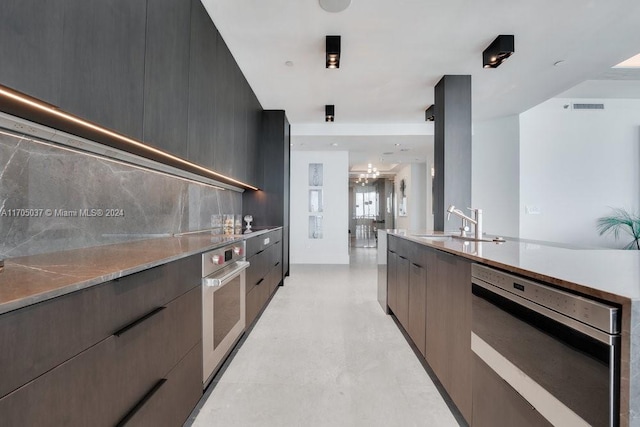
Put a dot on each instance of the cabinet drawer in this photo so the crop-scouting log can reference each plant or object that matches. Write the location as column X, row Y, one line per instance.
column 37, row 338
column 100, row 385
column 263, row 241
column 171, row 399
column 256, row 271
column 274, row 255
column 253, row 305
column 274, row 277
column 276, row 235
column 392, row 243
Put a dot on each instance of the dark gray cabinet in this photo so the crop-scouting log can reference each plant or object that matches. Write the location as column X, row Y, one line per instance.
column 166, row 75
column 429, row 292
column 239, row 141
column 254, row 123
column 264, row 253
column 223, row 133
column 402, row 290
column 392, row 279
column 270, row 205
column 155, row 70
column 407, row 287
column 448, row 331
column 204, row 70
column 30, row 46
column 103, row 53
column 89, row 357
column 417, row 304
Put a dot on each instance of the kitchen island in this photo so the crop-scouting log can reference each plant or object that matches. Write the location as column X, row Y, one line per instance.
column 608, row 276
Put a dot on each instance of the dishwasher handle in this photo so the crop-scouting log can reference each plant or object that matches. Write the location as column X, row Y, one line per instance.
column 228, row 274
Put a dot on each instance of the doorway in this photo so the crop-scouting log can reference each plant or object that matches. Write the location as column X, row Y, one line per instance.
column 371, row 209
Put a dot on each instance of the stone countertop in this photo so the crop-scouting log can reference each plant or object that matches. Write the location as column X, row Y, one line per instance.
column 32, row 279
column 612, row 275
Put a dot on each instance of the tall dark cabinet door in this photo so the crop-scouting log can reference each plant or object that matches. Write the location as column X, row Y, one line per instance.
column 239, row 147
column 103, row 62
column 166, row 75
column 254, row 115
column 203, row 75
column 270, row 205
column 225, row 100
column 30, row 43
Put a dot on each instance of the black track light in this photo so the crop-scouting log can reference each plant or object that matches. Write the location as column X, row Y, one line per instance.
column 329, row 113
column 333, row 51
column 429, row 114
column 499, row 50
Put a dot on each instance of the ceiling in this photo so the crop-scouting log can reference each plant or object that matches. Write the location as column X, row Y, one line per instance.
column 394, row 52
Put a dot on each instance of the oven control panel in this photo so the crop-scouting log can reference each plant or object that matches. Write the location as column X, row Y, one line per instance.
column 219, row 258
column 585, row 310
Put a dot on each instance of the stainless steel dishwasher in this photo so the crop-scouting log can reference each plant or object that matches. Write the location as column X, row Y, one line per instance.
column 558, row 350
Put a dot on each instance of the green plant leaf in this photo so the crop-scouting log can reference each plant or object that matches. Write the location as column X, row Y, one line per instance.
column 621, row 221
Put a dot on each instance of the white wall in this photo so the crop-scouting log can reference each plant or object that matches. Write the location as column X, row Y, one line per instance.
column 574, row 165
column 495, row 185
column 333, row 247
column 415, row 177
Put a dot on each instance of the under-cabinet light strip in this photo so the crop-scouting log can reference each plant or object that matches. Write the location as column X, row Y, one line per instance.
column 71, row 118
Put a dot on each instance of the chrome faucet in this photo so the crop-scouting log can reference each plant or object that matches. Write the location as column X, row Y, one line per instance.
column 476, row 221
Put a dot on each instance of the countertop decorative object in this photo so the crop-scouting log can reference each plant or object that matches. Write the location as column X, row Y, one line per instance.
column 32, row 279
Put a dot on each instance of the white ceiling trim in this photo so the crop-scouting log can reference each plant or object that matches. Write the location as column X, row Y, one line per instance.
column 369, row 129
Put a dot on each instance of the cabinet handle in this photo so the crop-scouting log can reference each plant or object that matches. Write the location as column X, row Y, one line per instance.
column 135, row 323
column 260, row 281
column 141, row 403
column 416, row 265
column 400, row 256
column 277, row 264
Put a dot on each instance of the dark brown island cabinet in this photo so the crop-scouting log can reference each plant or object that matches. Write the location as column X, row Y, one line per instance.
column 429, row 292
column 128, row 351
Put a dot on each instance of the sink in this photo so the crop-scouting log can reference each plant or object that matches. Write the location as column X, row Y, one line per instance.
column 473, row 239
column 440, row 237
column 447, row 237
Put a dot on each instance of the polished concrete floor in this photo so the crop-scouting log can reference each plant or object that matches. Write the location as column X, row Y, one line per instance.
column 323, row 353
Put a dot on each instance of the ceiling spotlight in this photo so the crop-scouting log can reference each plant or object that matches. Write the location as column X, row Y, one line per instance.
column 334, row 144
column 499, row 50
column 329, row 113
column 429, row 114
column 333, row 52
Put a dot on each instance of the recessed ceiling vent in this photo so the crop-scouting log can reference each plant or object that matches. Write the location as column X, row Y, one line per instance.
column 588, row 106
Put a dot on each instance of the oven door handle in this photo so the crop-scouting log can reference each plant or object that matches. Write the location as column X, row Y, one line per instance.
column 218, row 281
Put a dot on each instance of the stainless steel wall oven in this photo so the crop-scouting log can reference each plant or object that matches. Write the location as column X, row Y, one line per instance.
column 223, row 304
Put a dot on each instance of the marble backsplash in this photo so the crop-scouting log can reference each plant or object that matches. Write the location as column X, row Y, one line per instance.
column 53, row 198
